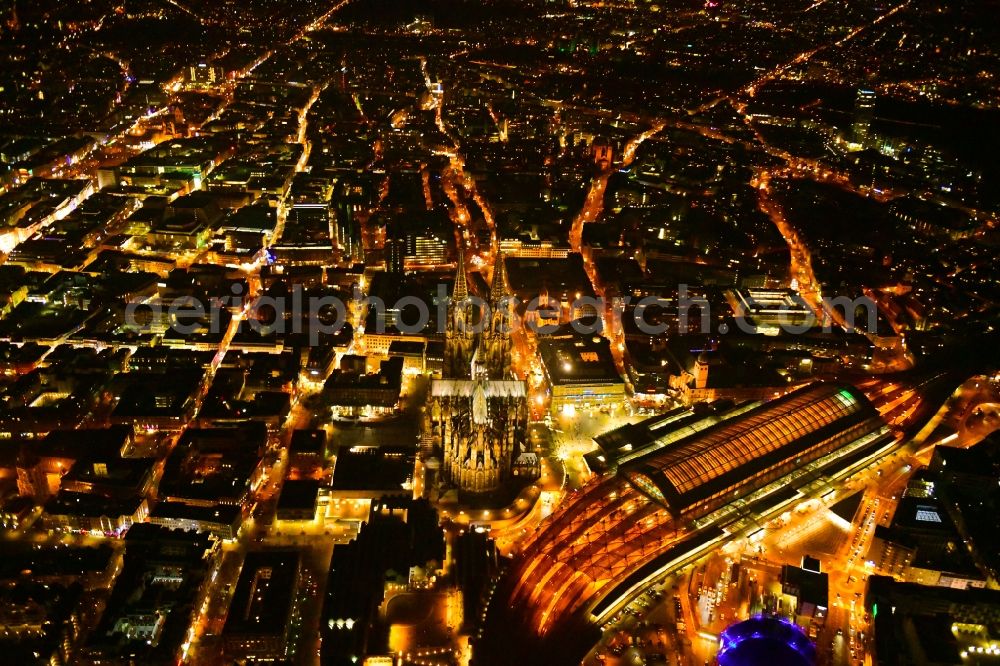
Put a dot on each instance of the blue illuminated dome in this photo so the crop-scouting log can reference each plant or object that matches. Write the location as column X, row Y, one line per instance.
column 765, row 641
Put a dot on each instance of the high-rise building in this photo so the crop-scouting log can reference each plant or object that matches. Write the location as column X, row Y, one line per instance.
column 478, row 413
column 395, row 251
column 864, row 112
column 426, row 247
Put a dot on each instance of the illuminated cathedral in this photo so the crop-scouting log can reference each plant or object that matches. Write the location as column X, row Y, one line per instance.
column 478, row 411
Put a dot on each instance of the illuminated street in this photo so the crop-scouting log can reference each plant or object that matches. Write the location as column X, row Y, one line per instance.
column 510, row 334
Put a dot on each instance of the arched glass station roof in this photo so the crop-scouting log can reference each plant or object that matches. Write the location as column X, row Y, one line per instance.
column 615, row 526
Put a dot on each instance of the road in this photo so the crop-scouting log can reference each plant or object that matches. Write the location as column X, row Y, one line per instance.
column 593, row 204
column 458, row 184
column 203, row 645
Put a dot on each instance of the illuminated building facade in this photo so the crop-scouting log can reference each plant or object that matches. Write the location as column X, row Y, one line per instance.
column 864, row 111
column 580, row 371
column 478, row 413
column 480, row 426
column 459, row 336
column 204, row 74
column 426, row 248
column 494, row 351
column 678, row 495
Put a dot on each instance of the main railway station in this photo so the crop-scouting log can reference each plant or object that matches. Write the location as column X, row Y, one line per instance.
column 676, row 486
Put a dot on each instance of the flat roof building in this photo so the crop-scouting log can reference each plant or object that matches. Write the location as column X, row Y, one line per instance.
column 371, row 472
column 223, row 520
column 211, row 466
column 580, row 370
column 930, row 624
column 262, row 612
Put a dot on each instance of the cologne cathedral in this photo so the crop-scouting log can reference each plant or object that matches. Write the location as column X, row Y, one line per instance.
column 478, row 411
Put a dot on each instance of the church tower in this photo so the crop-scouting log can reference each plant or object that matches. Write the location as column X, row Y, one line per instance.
column 459, row 335
column 494, row 352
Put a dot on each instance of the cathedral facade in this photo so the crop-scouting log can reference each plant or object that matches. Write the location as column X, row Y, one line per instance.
column 478, row 411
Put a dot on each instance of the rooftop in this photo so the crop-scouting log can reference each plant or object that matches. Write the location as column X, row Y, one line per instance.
column 262, row 602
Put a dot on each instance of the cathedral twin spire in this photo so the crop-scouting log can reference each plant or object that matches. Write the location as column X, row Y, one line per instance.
column 499, row 286
column 469, row 353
